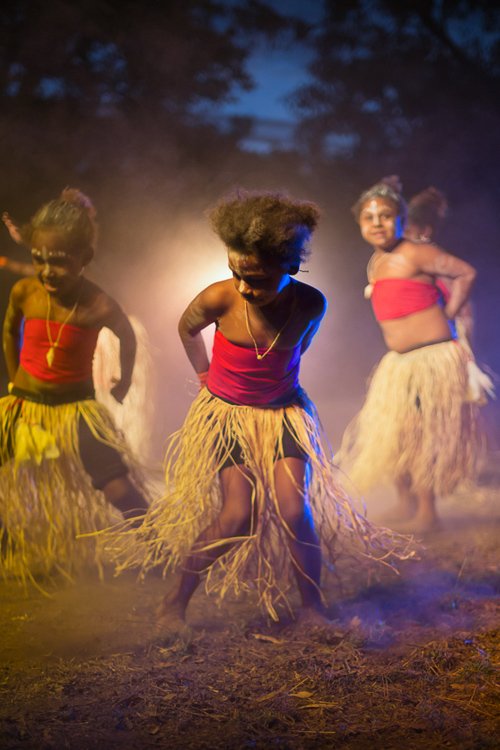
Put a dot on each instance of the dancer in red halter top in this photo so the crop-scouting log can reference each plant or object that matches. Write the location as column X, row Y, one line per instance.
column 416, row 427
column 253, row 493
column 64, row 466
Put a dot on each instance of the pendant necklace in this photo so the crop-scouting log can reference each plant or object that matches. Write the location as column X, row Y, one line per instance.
column 53, row 344
column 275, row 340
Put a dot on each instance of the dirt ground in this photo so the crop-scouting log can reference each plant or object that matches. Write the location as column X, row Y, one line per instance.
column 412, row 661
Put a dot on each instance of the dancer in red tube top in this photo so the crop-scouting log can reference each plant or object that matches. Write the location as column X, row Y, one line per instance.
column 64, row 465
column 253, row 494
column 416, row 427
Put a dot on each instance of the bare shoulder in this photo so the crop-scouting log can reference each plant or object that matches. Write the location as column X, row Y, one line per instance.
column 99, row 306
column 24, row 288
column 217, row 297
column 415, row 251
column 432, row 259
column 311, row 299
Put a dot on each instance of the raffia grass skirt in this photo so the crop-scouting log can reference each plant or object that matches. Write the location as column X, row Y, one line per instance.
column 259, row 562
column 415, row 420
column 46, row 497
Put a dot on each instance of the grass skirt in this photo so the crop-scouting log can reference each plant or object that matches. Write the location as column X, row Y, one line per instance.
column 415, row 420
column 46, row 497
column 260, row 561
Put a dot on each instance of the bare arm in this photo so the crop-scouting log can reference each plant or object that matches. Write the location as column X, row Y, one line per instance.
column 434, row 261
column 321, row 306
column 466, row 318
column 205, row 309
column 12, row 228
column 23, row 269
column 118, row 322
column 12, row 331
column 16, row 266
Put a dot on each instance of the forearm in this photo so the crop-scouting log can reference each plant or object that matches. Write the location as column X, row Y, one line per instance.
column 459, row 294
column 128, row 349
column 196, row 351
column 16, row 266
column 466, row 318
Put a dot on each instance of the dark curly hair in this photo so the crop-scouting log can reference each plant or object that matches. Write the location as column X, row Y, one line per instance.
column 273, row 226
column 73, row 214
column 389, row 188
column 427, row 208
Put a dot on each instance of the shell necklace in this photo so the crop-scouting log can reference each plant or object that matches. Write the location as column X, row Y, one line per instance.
column 53, row 344
column 275, row 340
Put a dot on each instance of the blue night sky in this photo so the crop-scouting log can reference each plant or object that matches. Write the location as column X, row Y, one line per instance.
column 277, row 68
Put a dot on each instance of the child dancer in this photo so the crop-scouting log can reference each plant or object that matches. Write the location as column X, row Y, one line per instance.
column 65, row 469
column 134, row 417
column 253, row 494
column 415, row 427
column 426, row 211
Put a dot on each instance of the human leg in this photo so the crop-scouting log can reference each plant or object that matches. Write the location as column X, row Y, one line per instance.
column 109, row 473
column 125, row 496
column 426, row 518
column 234, row 520
column 407, row 499
column 290, row 482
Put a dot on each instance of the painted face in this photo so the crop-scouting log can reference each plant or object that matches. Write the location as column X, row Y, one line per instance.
column 258, row 282
column 380, row 223
column 58, row 270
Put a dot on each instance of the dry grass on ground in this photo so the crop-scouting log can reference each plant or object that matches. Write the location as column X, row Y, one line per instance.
column 412, row 662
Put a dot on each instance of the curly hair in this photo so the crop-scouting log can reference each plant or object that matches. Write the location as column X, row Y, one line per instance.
column 73, row 214
column 389, row 188
column 427, row 208
column 272, row 225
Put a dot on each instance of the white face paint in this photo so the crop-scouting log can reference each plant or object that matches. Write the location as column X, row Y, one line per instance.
column 379, row 223
column 47, row 255
column 375, row 211
column 57, row 269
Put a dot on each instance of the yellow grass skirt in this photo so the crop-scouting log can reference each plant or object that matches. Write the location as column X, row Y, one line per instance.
column 46, row 497
column 415, row 420
column 260, row 561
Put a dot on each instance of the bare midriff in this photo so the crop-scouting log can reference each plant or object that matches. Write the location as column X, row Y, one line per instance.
column 418, row 329
column 28, row 382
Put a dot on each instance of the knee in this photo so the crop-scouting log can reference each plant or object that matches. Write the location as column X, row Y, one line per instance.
column 115, row 489
column 124, row 495
column 234, row 523
column 295, row 515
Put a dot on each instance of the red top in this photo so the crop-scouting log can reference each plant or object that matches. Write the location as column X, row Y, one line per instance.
column 73, row 355
column 395, row 298
column 237, row 376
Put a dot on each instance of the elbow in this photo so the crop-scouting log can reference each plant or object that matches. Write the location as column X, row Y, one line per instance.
column 184, row 331
column 470, row 274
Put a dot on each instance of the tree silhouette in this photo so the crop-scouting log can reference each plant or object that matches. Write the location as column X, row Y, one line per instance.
column 120, row 91
column 389, row 77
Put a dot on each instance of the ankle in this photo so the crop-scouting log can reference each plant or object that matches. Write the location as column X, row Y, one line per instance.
column 172, row 606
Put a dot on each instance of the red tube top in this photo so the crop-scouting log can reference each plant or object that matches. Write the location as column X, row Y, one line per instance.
column 72, row 357
column 237, row 376
column 395, row 298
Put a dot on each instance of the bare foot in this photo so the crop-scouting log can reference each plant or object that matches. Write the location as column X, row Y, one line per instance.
column 315, row 617
column 425, row 524
column 171, row 622
column 313, row 622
